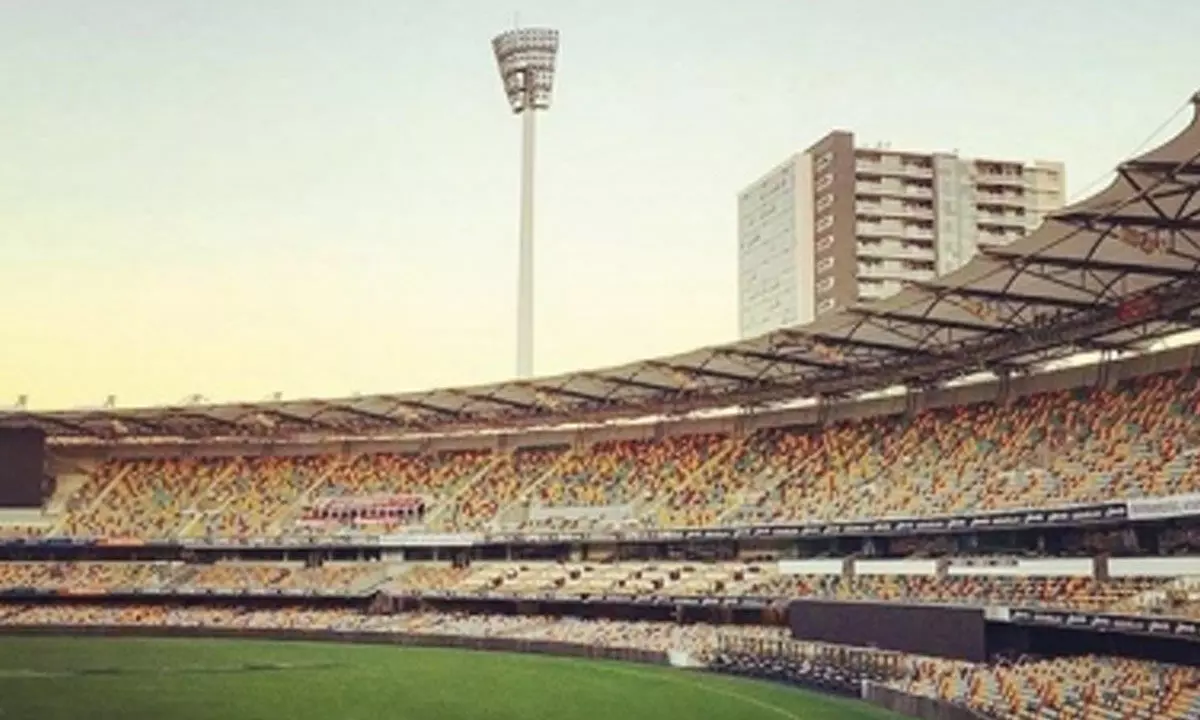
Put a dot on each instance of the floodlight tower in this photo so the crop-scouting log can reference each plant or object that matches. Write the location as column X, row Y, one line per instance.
column 526, row 57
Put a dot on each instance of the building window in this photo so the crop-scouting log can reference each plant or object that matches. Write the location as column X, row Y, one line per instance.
column 825, row 264
column 825, row 305
column 825, row 285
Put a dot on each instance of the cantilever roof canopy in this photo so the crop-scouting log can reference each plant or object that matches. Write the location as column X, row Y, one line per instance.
column 1106, row 273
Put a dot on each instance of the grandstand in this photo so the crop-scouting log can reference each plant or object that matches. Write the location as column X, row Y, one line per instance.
column 1035, row 502
column 1044, row 442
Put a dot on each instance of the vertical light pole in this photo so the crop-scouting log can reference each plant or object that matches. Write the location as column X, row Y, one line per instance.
column 526, row 60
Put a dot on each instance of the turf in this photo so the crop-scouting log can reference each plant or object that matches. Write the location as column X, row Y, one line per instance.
column 158, row 679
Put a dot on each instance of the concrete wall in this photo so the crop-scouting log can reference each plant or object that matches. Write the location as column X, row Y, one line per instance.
column 412, row 640
column 916, row 706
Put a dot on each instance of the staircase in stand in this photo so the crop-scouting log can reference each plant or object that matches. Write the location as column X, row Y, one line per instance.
column 194, row 512
column 766, row 483
column 513, row 513
column 60, row 525
column 761, row 486
column 444, row 505
column 292, row 512
column 657, row 507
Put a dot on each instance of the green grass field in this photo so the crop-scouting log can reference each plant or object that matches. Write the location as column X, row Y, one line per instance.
column 152, row 679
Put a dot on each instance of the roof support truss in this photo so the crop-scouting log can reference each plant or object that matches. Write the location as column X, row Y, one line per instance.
column 778, row 359
column 112, row 418
column 866, row 349
column 1068, row 263
column 425, row 407
column 573, row 394
column 942, row 323
column 497, row 400
column 694, row 371
column 633, row 382
column 311, row 420
column 205, row 417
column 69, row 425
column 1010, row 298
column 336, row 407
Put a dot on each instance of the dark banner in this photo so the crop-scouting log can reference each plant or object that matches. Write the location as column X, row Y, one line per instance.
column 1159, row 627
column 22, row 468
column 950, row 632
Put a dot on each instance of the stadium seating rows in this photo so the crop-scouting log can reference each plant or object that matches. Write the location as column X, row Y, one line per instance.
column 1176, row 597
column 108, row 577
column 1081, row 688
column 1063, row 592
column 1136, row 440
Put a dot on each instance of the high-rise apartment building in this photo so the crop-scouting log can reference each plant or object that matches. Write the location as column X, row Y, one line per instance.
column 837, row 224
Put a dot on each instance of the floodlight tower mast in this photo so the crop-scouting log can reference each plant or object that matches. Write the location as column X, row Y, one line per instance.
column 526, row 58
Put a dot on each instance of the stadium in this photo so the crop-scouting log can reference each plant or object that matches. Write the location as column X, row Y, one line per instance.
column 1020, row 544
column 976, row 499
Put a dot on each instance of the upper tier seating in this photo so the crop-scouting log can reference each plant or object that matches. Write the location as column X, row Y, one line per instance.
column 1050, row 449
column 684, row 480
column 1139, row 439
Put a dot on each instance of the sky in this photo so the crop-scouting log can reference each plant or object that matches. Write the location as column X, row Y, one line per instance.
column 233, row 198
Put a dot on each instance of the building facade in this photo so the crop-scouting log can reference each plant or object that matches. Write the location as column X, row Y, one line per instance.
column 838, row 224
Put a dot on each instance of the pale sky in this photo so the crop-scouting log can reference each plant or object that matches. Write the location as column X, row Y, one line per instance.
column 236, row 197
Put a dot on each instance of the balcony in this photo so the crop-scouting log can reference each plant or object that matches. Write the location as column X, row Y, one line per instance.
column 892, row 167
column 866, row 272
column 896, row 271
column 1003, row 219
column 893, row 187
column 877, row 187
column 983, row 197
column 879, row 229
column 916, row 171
column 897, row 210
column 894, row 250
column 1012, row 180
column 917, row 233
